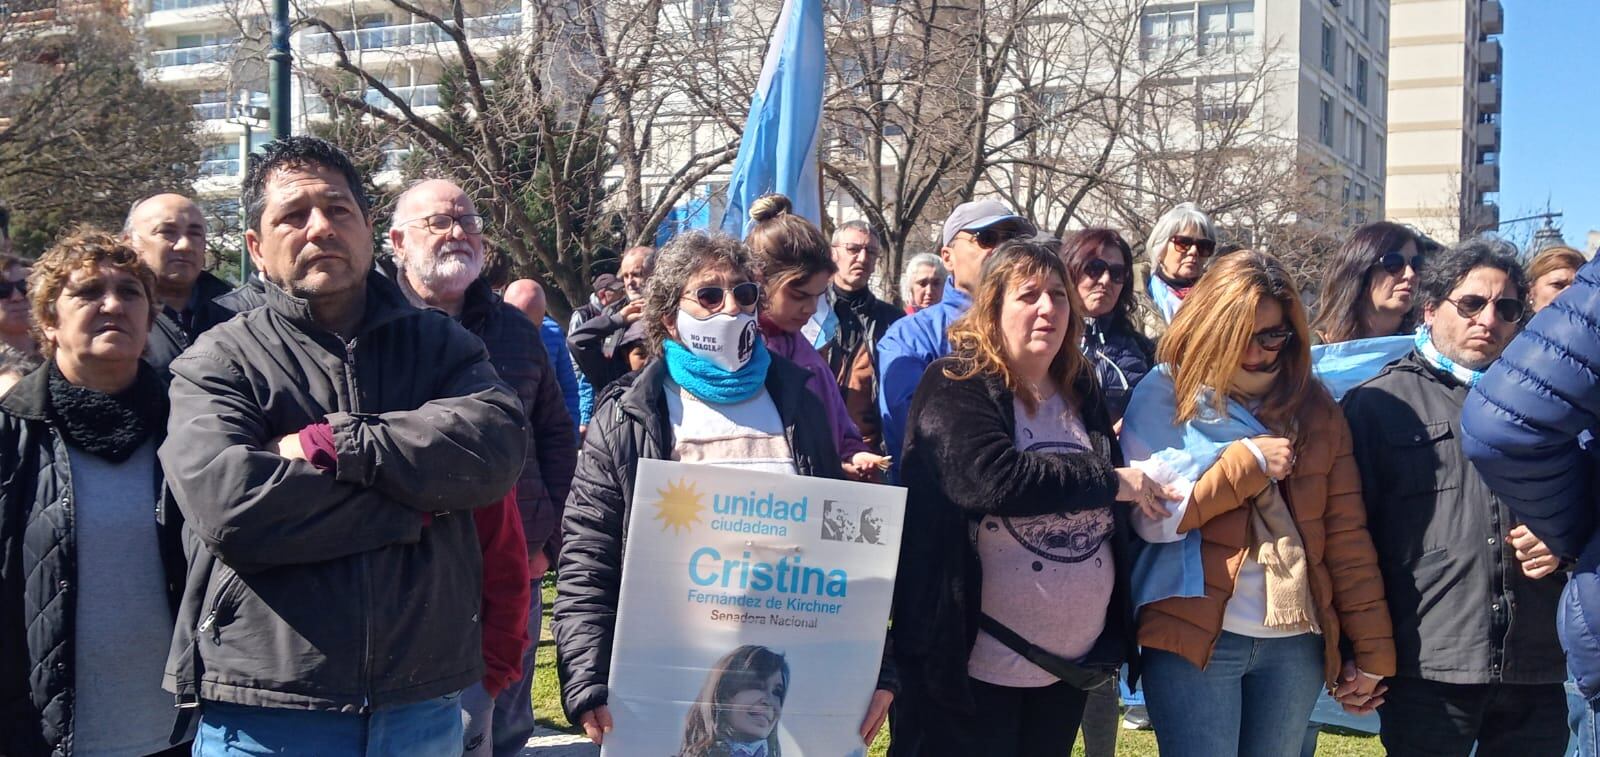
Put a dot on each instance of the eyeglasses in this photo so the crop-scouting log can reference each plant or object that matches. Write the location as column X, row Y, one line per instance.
column 7, row 287
column 856, row 249
column 1395, row 263
column 1274, row 340
column 1507, row 309
column 441, row 223
column 1202, row 247
column 1096, row 268
column 711, row 298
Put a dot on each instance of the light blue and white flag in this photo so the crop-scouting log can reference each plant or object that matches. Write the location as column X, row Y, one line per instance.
column 1343, row 365
column 778, row 152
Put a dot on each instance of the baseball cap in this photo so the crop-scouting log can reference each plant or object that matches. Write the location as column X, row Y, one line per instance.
column 981, row 214
column 607, row 281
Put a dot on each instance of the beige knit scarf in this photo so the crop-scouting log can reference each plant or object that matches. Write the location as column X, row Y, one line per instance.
column 1275, row 543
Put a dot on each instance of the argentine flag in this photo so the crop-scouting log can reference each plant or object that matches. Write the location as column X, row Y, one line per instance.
column 778, row 152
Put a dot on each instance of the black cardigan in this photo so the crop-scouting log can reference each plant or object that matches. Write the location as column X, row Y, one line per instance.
column 961, row 464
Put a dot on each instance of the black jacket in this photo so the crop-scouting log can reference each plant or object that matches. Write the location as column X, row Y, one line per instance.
column 345, row 591
column 1462, row 610
column 517, row 351
column 962, row 464
column 631, row 423
column 1121, row 356
column 38, row 572
column 592, row 345
column 863, row 320
column 169, row 338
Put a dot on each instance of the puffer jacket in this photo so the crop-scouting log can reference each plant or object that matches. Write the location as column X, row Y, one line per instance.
column 516, row 348
column 344, row 592
column 1121, row 356
column 631, row 423
column 1463, row 611
column 1324, row 495
column 38, row 572
column 962, row 464
column 1530, row 427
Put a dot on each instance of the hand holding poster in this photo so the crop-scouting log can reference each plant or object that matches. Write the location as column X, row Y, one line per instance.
column 752, row 614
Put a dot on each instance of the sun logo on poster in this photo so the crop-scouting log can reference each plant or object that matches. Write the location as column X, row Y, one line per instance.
column 679, row 506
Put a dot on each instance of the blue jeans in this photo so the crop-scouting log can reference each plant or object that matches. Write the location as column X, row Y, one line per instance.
column 1252, row 700
column 426, row 729
column 1581, row 720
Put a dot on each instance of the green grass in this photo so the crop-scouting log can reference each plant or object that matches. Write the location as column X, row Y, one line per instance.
column 547, row 704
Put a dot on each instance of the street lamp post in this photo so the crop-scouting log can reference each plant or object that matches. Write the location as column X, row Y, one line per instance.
column 247, row 114
column 279, row 73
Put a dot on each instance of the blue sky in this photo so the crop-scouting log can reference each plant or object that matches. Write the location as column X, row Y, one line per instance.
column 1551, row 119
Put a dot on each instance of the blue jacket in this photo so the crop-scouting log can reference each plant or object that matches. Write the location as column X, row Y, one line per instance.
column 911, row 344
column 555, row 343
column 1525, row 428
column 1121, row 356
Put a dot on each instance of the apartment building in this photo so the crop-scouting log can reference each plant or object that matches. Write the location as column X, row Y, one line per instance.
column 1444, row 103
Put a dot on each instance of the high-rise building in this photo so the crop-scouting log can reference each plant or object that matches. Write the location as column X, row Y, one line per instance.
column 1444, row 115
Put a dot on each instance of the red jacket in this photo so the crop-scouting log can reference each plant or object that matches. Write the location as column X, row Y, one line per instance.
column 506, row 590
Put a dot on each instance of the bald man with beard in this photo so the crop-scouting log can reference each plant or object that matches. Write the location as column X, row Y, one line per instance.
column 169, row 233
column 438, row 243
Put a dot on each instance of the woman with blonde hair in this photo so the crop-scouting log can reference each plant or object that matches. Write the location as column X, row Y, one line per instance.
column 1263, row 571
column 796, row 268
column 1011, row 602
column 1550, row 273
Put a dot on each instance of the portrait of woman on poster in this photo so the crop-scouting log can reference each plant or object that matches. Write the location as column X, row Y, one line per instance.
column 736, row 714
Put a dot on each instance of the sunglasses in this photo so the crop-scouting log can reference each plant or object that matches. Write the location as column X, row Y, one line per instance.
column 991, row 238
column 1395, row 263
column 711, row 298
column 1507, row 309
column 1096, row 268
column 7, row 287
column 1202, row 247
column 1274, row 340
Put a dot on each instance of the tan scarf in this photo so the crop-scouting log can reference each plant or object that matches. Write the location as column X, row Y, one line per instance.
column 1275, row 544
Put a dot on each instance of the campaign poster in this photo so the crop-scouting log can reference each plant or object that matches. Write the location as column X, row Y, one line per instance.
column 752, row 614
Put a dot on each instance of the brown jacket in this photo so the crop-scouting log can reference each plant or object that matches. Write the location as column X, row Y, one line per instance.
column 1324, row 494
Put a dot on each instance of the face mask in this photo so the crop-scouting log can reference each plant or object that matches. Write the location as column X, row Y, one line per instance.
column 726, row 340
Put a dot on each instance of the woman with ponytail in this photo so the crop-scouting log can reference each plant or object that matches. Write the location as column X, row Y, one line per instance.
column 796, row 265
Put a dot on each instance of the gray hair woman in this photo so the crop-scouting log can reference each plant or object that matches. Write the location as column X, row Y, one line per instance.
column 714, row 395
column 1179, row 246
column 922, row 284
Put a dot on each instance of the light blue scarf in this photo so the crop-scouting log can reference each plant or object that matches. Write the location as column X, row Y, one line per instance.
column 1435, row 358
column 1164, row 298
column 1342, row 366
column 710, row 382
column 1169, row 565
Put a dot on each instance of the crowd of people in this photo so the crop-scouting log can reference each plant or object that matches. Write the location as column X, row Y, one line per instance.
column 311, row 514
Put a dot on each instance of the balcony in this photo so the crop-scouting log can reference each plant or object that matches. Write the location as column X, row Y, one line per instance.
column 191, row 56
column 1491, row 17
column 403, row 35
column 1488, row 137
column 420, row 96
column 173, row 5
column 1483, row 217
column 1488, row 97
column 1489, row 56
column 210, row 111
column 1486, row 177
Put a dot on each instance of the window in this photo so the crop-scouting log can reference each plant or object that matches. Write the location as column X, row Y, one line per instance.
column 1349, row 135
column 1382, row 90
column 1330, row 51
column 1165, row 32
column 1325, row 120
column 849, row 10
column 1220, row 104
column 1361, row 145
column 1349, row 67
column 1360, row 211
column 1227, row 27
column 1360, row 7
column 1361, row 79
column 710, row 16
column 203, row 39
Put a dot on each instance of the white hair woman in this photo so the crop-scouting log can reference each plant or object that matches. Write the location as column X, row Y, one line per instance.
column 1179, row 246
column 922, row 284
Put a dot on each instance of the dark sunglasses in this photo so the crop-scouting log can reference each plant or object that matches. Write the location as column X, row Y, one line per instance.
column 1096, row 268
column 1395, row 263
column 7, row 287
column 1203, row 247
column 991, row 237
column 1507, row 309
column 1274, row 340
column 711, row 298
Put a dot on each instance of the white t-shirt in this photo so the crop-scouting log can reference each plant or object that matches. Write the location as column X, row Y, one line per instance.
column 1046, row 577
column 746, row 434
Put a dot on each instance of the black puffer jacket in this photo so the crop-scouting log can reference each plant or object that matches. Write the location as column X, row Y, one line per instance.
column 961, row 464
column 169, row 338
column 631, row 423
column 38, row 572
column 1121, row 356
column 517, row 351
column 593, row 345
column 350, row 591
